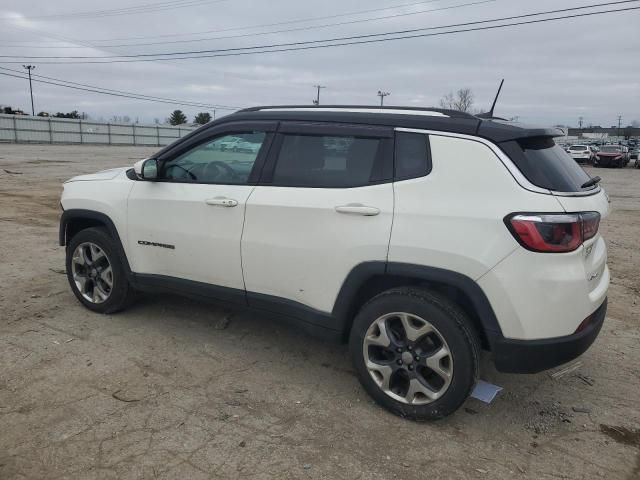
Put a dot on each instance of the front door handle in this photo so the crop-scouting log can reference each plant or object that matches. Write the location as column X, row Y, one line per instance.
column 221, row 202
column 358, row 209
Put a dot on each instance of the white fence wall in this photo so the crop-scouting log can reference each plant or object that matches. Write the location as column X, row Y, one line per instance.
column 28, row 129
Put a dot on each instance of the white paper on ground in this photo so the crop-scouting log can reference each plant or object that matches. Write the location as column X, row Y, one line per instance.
column 485, row 391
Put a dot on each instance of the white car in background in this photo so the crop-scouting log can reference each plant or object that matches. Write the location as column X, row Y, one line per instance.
column 581, row 153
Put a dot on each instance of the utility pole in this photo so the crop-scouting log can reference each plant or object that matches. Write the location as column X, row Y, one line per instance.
column 29, row 68
column 580, row 119
column 317, row 100
column 214, row 113
column 619, row 122
column 382, row 94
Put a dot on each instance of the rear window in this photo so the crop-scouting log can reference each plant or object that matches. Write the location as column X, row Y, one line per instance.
column 578, row 147
column 413, row 156
column 546, row 164
column 611, row 149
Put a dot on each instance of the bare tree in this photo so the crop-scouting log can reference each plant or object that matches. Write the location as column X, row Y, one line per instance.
column 462, row 100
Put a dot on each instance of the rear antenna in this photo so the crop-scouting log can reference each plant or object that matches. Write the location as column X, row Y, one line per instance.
column 489, row 114
column 496, row 99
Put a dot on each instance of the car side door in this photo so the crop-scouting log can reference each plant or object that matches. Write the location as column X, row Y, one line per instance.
column 187, row 224
column 324, row 204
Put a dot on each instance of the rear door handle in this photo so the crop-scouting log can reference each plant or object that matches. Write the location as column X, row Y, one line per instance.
column 358, row 209
column 221, row 202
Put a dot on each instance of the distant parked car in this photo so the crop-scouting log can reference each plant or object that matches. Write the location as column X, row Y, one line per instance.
column 582, row 153
column 612, row 156
column 228, row 143
column 633, row 153
column 244, row 146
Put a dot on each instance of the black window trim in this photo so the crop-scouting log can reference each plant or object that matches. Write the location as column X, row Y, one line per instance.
column 398, row 178
column 383, row 169
column 210, row 134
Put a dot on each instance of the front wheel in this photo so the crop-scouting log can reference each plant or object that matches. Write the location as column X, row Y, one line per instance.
column 415, row 352
column 96, row 273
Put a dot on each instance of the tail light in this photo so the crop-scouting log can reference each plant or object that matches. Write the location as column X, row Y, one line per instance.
column 550, row 232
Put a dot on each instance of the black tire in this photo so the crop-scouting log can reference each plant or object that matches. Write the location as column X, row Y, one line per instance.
column 121, row 293
column 452, row 324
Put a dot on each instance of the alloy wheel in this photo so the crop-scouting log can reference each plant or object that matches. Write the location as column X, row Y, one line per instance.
column 92, row 272
column 408, row 358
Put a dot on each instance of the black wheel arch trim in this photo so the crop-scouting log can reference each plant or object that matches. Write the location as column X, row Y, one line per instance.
column 363, row 272
column 82, row 214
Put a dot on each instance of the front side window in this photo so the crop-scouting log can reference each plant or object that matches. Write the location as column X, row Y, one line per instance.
column 226, row 159
column 326, row 161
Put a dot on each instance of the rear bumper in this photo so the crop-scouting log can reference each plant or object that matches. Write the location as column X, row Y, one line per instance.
column 532, row 356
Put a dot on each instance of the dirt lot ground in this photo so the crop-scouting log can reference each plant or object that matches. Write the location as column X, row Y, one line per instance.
column 176, row 389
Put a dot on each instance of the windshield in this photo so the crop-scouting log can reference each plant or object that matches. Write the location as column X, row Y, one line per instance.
column 610, row 149
column 546, row 164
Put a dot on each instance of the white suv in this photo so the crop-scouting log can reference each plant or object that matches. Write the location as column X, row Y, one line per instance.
column 582, row 153
column 418, row 236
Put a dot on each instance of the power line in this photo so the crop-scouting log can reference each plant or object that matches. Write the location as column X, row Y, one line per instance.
column 285, row 22
column 304, row 45
column 146, row 8
column 150, row 97
column 132, row 96
column 286, row 30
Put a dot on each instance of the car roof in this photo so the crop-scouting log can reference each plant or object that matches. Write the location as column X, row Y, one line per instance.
column 495, row 129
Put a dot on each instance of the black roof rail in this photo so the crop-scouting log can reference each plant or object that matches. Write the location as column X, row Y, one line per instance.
column 444, row 111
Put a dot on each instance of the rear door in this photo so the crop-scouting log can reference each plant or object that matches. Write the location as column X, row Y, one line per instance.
column 324, row 204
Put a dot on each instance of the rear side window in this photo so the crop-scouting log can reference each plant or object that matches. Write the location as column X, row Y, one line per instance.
column 326, row 161
column 413, row 155
column 546, row 164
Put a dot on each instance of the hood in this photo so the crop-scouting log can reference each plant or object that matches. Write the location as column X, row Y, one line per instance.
column 609, row 154
column 102, row 175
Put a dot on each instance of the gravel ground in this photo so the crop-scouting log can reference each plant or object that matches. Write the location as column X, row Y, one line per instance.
column 177, row 389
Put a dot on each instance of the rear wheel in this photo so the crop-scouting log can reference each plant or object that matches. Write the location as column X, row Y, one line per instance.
column 96, row 273
column 415, row 353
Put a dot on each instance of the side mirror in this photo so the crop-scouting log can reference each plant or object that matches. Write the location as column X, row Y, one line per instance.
column 146, row 169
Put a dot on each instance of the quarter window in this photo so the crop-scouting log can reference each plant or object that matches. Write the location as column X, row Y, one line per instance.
column 413, row 155
column 227, row 159
column 326, row 161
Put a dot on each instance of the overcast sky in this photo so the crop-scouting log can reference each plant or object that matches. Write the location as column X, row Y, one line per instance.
column 555, row 72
